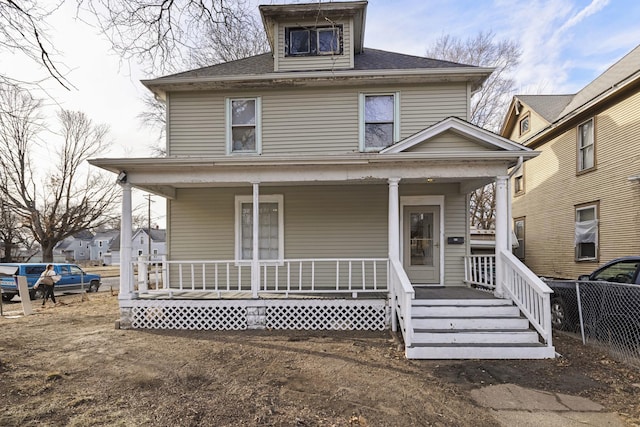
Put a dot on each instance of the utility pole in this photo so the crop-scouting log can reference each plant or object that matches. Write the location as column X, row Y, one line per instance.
column 148, row 197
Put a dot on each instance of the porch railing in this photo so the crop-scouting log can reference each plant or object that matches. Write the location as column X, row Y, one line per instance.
column 480, row 270
column 402, row 296
column 290, row 276
column 529, row 293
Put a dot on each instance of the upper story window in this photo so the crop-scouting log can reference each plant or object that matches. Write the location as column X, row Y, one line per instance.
column 243, row 125
column 525, row 124
column 313, row 41
column 586, row 232
column 379, row 118
column 518, row 181
column 586, row 146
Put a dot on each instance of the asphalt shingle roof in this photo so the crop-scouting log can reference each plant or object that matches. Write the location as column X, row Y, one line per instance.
column 370, row 59
column 548, row 106
column 555, row 107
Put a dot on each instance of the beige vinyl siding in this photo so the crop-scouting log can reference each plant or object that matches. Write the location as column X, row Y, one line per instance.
column 553, row 189
column 536, row 124
column 422, row 106
column 317, row 62
column 345, row 221
column 455, row 225
column 196, row 124
column 303, row 121
column 318, row 121
column 448, row 141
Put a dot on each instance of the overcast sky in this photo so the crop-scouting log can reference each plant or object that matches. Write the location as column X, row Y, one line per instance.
column 565, row 44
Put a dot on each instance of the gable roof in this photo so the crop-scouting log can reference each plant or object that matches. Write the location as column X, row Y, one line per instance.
column 547, row 106
column 461, row 127
column 626, row 67
column 557, row 109
column 156, row 234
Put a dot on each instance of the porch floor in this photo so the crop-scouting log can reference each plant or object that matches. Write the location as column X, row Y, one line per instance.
column 422, row 292
column 165, row 294
column 451, row 292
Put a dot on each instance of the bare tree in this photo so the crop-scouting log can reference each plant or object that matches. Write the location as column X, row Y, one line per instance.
column 55, row 197
column 160, row 33
column 220, row 42
column 23, row 32
column 489, row 104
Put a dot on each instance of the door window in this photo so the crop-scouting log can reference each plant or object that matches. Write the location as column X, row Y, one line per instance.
column 421, row 235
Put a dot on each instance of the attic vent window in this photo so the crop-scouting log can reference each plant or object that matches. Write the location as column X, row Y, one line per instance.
column 313, row 41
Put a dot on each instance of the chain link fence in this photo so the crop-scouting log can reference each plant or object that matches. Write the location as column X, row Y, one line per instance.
column 606, row 314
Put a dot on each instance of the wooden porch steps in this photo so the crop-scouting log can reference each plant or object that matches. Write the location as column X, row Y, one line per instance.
column 473, row 329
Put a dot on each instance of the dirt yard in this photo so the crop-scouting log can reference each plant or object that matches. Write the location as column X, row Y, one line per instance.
column 68, row 365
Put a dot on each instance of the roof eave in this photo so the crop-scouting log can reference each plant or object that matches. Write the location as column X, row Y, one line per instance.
column 475, row 75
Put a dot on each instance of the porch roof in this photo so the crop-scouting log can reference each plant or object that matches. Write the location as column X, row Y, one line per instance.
column 164, row 175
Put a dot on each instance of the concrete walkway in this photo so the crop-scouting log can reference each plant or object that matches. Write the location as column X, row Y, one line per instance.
column 512, row 405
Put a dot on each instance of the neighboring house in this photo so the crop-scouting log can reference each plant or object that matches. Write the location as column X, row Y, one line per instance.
column 76, row 247
column 577, row 205
column 326, row 186
column 149, row 241
column 102, row 246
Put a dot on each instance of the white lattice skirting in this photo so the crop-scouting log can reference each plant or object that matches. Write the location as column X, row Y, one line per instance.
column 257, row 314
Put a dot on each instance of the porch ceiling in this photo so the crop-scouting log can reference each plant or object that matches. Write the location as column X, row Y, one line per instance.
column 164, row 175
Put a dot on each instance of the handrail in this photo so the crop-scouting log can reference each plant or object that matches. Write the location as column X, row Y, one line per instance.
column 479, row 270
column 529, row 293
column 403, row 295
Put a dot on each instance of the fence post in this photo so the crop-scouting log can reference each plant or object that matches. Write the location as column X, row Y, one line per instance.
column 580, row 312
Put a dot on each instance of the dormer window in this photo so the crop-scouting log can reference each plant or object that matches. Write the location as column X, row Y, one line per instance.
column 313, row 41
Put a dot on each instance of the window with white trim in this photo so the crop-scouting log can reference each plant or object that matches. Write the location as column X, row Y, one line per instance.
column 379, row 118
column 586, row 233
column 270, row 232
column 243, row 125
column 586, row 146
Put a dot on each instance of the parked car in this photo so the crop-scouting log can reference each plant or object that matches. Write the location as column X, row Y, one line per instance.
column 72, row 277
column 610, row 302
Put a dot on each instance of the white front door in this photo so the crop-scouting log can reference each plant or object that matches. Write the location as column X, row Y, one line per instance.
column 421, row 243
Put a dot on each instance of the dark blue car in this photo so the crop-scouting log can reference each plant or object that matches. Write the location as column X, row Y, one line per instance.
column 72, row 277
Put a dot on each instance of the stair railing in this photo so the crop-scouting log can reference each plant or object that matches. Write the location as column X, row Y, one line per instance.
column 528, row 292
column 402, row 296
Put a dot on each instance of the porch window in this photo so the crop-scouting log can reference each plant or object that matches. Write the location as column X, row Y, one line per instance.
column 243, row 125
column 271, row 228
column 518, row 230
column 586, row 233
column 586, row 146
column 379, row 118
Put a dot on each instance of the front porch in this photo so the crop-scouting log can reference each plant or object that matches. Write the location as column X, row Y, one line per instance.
column 436, row 322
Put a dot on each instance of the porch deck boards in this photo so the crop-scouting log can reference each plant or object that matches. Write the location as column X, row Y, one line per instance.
column 451, row 292
column 211, row 295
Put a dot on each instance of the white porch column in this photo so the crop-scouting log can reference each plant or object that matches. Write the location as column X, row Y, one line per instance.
column 126, row 272
column 255, row 265
column 502, row 230
column 394, row 219
column 394, row 242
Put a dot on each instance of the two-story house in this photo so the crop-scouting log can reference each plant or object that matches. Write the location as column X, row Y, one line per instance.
column 325, row 185
column 149, row 243
column 102, row 245
column 76, row 247
column 577, row 205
